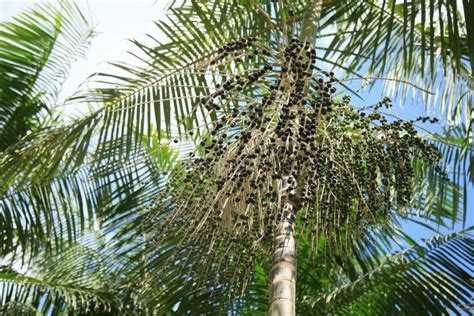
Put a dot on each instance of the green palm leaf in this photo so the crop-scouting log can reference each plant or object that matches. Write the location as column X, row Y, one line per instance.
column 408, row 41
column 77, row 281
column 435, row 275
column 36, row 50
column 52, row 214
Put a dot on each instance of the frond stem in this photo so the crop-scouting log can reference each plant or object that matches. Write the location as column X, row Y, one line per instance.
column 389, row 79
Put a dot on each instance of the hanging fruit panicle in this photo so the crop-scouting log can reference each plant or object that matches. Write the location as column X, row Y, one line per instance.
column 281, row 136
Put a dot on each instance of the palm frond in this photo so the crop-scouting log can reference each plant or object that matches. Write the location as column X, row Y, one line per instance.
column 408, row 41
column 457, row 150
column 75, row 281
column 52, row 214
column 36, row 51
column 435, row 275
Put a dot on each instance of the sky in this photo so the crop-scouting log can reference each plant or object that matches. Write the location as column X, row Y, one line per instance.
column 119, row 20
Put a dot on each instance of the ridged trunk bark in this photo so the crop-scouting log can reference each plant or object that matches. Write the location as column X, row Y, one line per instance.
column 283, row 270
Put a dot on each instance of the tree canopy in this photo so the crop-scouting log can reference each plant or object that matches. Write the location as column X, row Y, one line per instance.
column 165, row 195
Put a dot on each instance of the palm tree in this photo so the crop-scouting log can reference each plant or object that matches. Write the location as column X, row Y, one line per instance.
column 227, row 141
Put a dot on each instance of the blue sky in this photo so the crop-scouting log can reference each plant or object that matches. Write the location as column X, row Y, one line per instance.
column 120, row 20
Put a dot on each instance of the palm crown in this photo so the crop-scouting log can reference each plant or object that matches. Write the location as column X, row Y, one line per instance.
column 188, row 168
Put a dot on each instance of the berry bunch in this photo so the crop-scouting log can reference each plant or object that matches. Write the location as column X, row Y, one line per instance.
column 288, row 139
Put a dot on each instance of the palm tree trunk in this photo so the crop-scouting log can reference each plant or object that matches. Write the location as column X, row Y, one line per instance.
column 283, row 270
column 310, row 24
